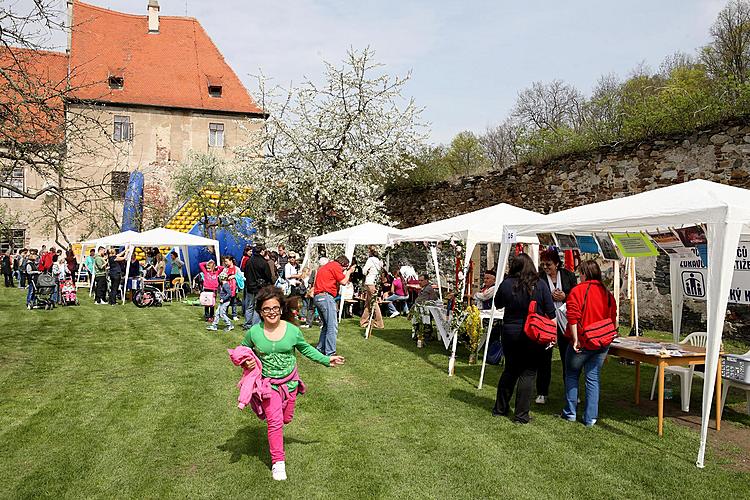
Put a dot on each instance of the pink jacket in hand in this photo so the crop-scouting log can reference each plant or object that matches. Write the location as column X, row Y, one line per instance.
column 251, row 383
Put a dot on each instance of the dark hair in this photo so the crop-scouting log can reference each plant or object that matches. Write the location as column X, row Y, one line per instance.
column 523, row 269
column 54, row 258
column 425, row 276
column 373, row 251
column 492, row 271
column 343, row 260
column 271, row 292
column 552, row 256
column 173, row 252
column 590, row 270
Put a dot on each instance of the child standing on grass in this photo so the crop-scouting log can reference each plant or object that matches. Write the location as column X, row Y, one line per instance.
column 210, row 284
column 274, row 341
column 225, row 297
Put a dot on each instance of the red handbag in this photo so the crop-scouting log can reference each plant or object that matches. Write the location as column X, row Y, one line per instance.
column 598, row 334
column 540, row 328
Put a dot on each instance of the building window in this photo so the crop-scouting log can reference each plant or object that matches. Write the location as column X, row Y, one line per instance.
column 214, row 90
column 12, row 239
column 16, row 179
column 116, row 82
column 123, row 129
column 216, row 135
column 119, row 184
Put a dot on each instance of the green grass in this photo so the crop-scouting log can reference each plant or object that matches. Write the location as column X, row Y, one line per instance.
column 103, row 402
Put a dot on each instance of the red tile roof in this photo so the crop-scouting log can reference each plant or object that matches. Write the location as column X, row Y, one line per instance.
column 171, row 68
column 32, row 86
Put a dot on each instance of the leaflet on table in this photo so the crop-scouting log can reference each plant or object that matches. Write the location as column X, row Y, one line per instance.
column 634, row 245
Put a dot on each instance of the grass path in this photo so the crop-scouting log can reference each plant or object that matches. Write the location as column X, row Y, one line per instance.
column 115, row 402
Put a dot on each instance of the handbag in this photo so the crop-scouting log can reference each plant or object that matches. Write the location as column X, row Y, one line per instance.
column 207, row 298
column 598, row 334
column 494, row 352
column 539, row 328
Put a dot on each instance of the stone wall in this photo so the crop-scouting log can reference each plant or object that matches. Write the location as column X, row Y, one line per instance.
column 720, row 153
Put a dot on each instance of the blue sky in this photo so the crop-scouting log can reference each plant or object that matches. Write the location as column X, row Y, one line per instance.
column 468, row 58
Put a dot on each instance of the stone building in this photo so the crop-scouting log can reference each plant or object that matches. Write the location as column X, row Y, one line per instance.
column 157, row 88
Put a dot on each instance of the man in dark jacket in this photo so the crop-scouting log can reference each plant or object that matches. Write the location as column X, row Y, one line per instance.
column 257, row 275
column 6, row 262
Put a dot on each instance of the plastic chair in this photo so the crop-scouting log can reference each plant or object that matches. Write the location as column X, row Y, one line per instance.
column 697, row 339
column 727, row 383
column 176, row 289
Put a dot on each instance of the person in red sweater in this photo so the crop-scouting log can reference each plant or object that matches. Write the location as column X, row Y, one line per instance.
column 588, row 302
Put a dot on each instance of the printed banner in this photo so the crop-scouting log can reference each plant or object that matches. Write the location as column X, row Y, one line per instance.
column 671, row 244
column 694, row 276
column 608, row 250
column 566, row 241
column 587, row 243
column 634, row 245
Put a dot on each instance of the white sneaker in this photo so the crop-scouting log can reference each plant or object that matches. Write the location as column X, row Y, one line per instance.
column 540, row 400
column 278, row 471
column 394, row 315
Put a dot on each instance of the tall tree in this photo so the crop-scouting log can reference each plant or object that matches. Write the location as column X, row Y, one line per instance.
column 465, row 155
column 729, row 51
column 332, row 147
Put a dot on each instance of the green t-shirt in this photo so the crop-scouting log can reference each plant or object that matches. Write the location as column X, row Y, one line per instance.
column 100, row 266
column 278, row 357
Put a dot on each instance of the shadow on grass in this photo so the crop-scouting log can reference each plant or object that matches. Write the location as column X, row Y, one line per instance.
column 252, row 441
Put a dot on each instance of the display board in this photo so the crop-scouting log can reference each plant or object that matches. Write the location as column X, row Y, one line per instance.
column 693, row 276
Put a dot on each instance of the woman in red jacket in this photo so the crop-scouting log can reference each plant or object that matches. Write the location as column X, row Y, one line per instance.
column 587, row 303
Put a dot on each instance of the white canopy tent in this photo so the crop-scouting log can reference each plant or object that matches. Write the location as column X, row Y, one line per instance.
column 369, row 233
column 724, row 210
column 167, row 237
column 113, row 240
column 486, row 225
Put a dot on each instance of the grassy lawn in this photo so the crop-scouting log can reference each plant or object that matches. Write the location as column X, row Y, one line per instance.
column 102, row 402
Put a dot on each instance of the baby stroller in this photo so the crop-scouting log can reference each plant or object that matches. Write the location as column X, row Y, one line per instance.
column 68, row 293
column 44, row 287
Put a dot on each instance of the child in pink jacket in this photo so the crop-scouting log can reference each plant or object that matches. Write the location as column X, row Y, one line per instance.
column 210, row 284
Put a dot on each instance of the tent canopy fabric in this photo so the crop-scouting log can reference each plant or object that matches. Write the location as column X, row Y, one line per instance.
column 725, row 211
column 481, row 226
column 167, row 237
column 368, row 233
column 118, row 239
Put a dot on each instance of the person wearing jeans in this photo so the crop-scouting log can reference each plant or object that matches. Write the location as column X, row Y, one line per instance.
column 327, row 281
column 257, row 276
column 588, row 303
column 591, row 363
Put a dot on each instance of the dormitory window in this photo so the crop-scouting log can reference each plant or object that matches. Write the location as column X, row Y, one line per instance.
column 16, row 179
column 123, row 129
column 216, row 135
column 119, row 184
column 116, row 82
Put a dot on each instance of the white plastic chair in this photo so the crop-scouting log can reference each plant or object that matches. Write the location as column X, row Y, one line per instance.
column 697, row 339
column 727, row 383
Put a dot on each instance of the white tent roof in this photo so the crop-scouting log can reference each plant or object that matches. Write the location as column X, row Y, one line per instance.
column 111, row 240
column 368, row 233
column 725, row 210
column 481, row 226
column 167, row 237
column 683, row 204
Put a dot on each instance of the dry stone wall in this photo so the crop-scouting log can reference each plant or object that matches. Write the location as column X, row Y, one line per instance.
column 720, row 153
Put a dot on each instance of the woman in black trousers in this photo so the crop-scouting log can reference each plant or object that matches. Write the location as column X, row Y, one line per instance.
column 521, row 354
column 560, row 282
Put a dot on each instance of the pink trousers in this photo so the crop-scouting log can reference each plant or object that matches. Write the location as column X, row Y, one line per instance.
column 276, row 417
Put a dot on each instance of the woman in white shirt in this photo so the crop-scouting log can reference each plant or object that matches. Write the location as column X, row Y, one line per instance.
column 372, row 269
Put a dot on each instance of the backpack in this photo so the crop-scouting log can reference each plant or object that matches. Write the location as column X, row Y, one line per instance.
column 239, row 279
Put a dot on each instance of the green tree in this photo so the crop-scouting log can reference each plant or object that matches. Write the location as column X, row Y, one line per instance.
column 465, row 155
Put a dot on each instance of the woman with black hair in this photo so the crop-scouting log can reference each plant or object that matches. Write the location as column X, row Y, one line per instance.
column 274, row 341
column 560, row 282
column 521, row 354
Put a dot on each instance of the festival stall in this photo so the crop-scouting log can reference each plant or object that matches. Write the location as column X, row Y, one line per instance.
column 486, row 225
column 699, row 211
column 113, row 240
column 368, row 233
column 160, row 237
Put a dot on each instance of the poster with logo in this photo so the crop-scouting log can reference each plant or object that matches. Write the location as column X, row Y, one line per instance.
column 566, row 241
column 694, row 276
